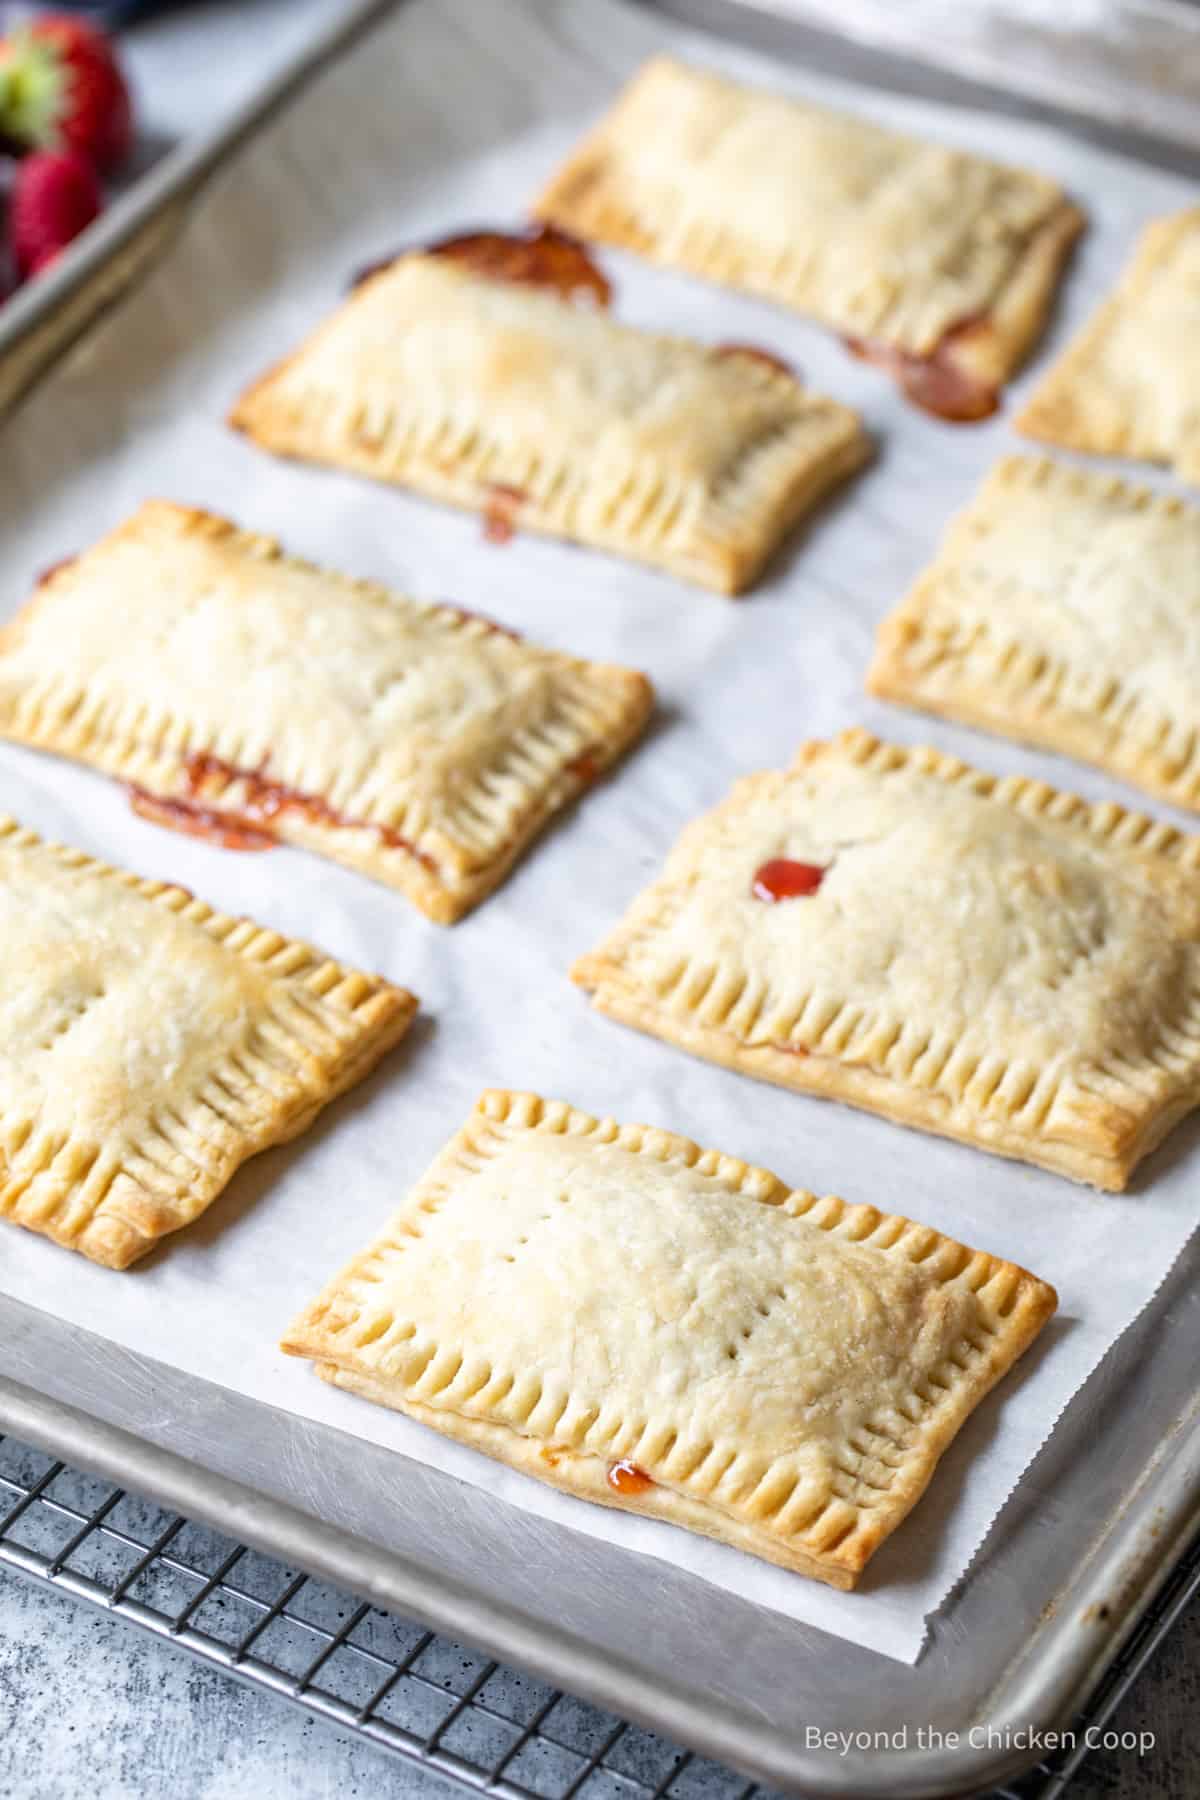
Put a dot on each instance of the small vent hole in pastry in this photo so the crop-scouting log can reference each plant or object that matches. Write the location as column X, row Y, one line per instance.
column 73, row 1010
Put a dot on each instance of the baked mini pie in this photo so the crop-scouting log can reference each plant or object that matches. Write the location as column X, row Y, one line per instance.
column 507, row 399
column 149, row 1045
column 980, row 956
column 251, row 697
column 1129, row 384
column 1062, row 609
column 671, row 1331
column 937, row 262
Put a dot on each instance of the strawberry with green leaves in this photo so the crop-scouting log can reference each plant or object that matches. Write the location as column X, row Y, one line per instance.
column 61, row 89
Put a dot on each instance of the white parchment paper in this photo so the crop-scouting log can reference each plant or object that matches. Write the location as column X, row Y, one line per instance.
column 451, row 114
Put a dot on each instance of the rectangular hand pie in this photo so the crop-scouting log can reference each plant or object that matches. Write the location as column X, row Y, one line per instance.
column 494, row 395
column 980, row 956
column 249, row 696
column 669, row 1330
column 937, row 262
column 149, row 1045
column 1129, row 384
column 1063, row 609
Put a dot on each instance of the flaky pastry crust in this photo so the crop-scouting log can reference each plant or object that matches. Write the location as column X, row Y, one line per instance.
column 418, row 744
column 485, row 393
column 779, row 1372
column 1129, row 384
column 985, row 957
column 149, row 1045
column 1063, row 608
column 880, row 236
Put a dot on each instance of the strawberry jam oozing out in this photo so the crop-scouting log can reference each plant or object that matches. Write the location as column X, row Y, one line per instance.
column 937, row 383
column 756, row 353
column 784, row 879
column 585, row 767
column 252, row 825
column 223, row 829
column 540, row 256
column 500, row 508
column 627, row 1479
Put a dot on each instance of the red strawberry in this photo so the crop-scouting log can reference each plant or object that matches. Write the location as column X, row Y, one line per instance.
column 61, row 88
column 54, row 195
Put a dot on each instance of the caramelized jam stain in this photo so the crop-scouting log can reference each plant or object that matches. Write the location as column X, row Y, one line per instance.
column 251, row 825
column 199, row 821
column 585, row 768
column 936, row 383
column 756, row 353
column 500, row 511
column 541, row 256
column 627, row 1479
column 784, row 879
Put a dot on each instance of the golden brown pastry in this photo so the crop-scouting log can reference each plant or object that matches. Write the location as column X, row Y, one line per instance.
column 980, row 956
column 936, row 262
column 1062, row 609
column 669, row 1330
column 149, row 1045
column 1129, row 385
column 250, row 697
column 550, row 416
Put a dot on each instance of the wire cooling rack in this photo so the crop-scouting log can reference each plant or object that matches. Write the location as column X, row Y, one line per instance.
column 436, row 1703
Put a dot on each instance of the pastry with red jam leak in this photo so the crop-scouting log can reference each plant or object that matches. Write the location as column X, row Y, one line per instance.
column 586, row 768
column 498, row 395
column 782, row 878
column 866, row 230
column 264, row 801
column 626, row 1479
column 671, row 1302
column 500, row 511
column 941, row 383
column 414, row 742
column 226, row 830
column 539, row 256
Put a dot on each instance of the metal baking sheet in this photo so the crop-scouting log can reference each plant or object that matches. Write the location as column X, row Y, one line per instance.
column 744, row 1684
column 1134, row 64
column 44, row 318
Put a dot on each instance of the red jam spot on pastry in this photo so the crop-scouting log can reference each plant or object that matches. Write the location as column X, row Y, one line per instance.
column 585, row 768
column 500, row 511
column 757, row 354
column 541, row 256
column 627, row 1479
column 783, row 879
column 251, row 826
column 199, row 821
column 936, row 383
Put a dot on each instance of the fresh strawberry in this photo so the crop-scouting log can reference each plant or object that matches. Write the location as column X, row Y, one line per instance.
column 54, row 195
column 61, row 89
